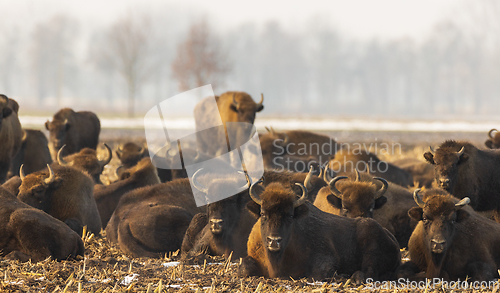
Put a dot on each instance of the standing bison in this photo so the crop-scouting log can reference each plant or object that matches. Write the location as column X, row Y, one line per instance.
column 10, row 134
column 466, row 171
column 34, row 153
column 494, row 141
column 86, row 160
column 76, row 130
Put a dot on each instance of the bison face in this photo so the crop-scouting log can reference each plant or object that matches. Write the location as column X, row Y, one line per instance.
column 278, row 209
column 57, row 132
column 439, row 215
column 36, row 188
column 223, row 215
column 245, row 107
column 446, row 165
column 5, row 110
column 130, row 153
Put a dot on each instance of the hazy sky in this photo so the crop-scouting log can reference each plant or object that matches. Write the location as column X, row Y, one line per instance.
column 357, row 18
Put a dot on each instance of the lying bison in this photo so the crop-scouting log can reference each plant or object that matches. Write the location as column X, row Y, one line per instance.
column 293, row 238
column 466, row 171
column 76, row 130
column 34, row 153
column 494, row 141
column 10, row 134
column 130, row 154
column 64, row 193
column 86, row 160
column 31, row 234
column 451, row 241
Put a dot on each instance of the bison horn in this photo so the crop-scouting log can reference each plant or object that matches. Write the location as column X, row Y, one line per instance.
column 307, row 181
column 51, row 176
column 253, row 195
column 431, row 150
column 120, row 148
column 383, row 189
column 465, row 201
column 286, row 139
column 333, row 188
column 21, row 173
column 273, row 133
column 321, row 171
column 357, row 175
column 25, row 135
column 303, row 198
column 108, row 157
column 142, row 151
column 60, row 159
column 261, row 99
column 490, row 134
column 417, row 198
column 326, row 174
column 119, row 171
column 197, row 184
column 249, row 180
column 234, row 101
column 461, row 152
column 267, row 128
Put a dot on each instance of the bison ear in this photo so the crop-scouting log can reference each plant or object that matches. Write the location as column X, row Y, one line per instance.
column 300, row 211
column 253, row 208
column 118, row 154
column 416, row 213
column 68, row 126
column 380, row 202
column 47, row 125
column 462, row 215
column 260, row 108
column 6, row 112
column 489, row 144
column 334, row 201
column 429, row 157
column 233, row 108
column 463, row 158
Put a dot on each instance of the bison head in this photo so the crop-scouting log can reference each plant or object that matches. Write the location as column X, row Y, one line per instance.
column 245, row 107
column 5, row 110
column 36, row 188
column 130, row 153
column 278, row 208
column 223, row 215
column 494, row 141
column 358, row 198
column 438, row 214
column 86, row 160
column 57, row 130
column 446, row 161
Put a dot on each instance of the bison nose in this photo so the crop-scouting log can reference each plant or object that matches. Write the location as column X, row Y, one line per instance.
column 273, row 243
column 438, row 245
column 216, row 226
column 444, row 182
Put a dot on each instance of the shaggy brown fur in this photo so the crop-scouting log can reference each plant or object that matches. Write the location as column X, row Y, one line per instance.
column 30, row 234
column 422, row 172
column 314, row 244
column 34, row 153
column 130, row 154
column 86, row 160
column 467, row 242
column 10, row 134
column 76, row 130
column 68, row 198
column 289, row 179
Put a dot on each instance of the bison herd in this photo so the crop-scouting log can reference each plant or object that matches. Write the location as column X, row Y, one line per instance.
column 333, row 217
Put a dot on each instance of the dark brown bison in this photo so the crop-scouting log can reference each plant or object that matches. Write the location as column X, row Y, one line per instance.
column 422, row 172
column 293, row 238
column 360, row 195
column 466, row 171
column 76, row 130
column 451, row 241
column 107, row 197
column 86, row 160
column 64, row 193
column 233, row 107
column 10, row 134
column 295, row 150
column 34, row 153
column 346, row 160
column 12, row 185
column 31, row 234
column 130, row 154
column 494, row 141
column 152, row 220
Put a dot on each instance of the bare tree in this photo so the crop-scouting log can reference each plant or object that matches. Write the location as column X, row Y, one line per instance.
column 126, row 47
column 200, row 59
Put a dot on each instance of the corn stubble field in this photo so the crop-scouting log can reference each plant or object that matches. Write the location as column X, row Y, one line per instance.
column 106, row 269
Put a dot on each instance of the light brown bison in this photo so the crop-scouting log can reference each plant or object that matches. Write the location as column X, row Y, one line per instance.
column 86, row 160
column 107, row 197
column 31, row 234
column 64, row 193
column 494, row 141
column 293, row 238
column 130, row 154
column 451, row 241
column 76, row 130
column 34, row 153
column 10, row 134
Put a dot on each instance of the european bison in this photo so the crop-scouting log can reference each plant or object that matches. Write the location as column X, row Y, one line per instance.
column 86, row 160
column 346, row 160
column 76, row 130
column 10, row 134
column 451, row 241
column 466, row 171
column 34, row 153
column 360, row 195
column 494, row 141
column 130, row 154
column 233, row 107
column 107, row 197
column 64, row 193
column 293, row 238
column 31, row 234
column 422, row 172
